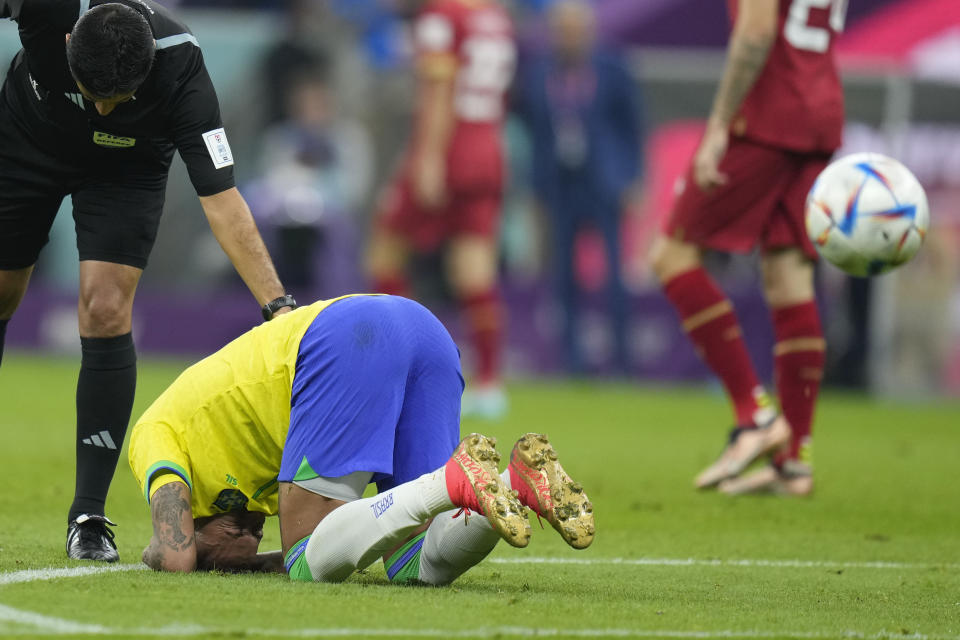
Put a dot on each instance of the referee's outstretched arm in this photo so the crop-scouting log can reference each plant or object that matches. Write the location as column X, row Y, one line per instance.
column 233, row 226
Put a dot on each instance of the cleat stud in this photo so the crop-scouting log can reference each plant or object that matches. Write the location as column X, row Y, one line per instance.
column 542, row 437
column 576, row 487
column 552, row 455
column 493, row 487
column 523, row 445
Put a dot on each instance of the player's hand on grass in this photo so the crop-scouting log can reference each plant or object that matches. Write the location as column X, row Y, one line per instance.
column 429, row 182
column 706, row 162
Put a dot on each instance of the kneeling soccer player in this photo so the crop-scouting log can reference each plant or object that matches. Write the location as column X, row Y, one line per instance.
column 295, row 417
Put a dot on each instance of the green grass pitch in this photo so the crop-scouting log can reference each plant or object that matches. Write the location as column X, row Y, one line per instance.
column 875, row 553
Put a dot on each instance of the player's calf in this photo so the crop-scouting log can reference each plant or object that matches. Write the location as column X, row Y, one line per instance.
column 543, row 485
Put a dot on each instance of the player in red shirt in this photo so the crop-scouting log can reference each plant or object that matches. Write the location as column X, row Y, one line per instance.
column 776, row 120
column 449, row 186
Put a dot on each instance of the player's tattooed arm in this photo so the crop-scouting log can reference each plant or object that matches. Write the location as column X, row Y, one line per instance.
column 753, row 36
column 172, row 547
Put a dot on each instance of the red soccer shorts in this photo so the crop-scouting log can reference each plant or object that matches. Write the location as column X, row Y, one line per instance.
column 761, row 204
column 471, row 212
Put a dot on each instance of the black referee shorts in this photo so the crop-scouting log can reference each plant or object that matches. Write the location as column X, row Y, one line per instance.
column 117, row 195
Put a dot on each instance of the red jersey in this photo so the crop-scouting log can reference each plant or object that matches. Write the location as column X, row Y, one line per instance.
column 472, row 42
column 797, row 100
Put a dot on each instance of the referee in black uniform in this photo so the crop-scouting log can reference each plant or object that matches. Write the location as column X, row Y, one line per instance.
column 93, row 106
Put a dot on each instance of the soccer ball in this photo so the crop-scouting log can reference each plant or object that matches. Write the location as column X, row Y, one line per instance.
column 866, row 213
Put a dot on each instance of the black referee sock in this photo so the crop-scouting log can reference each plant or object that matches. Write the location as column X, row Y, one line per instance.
column 3, row 336
column 105, row 390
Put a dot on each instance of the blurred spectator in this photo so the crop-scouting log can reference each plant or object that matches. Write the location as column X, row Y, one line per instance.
column 316, row 171
column 295, row 54
column 581, row 108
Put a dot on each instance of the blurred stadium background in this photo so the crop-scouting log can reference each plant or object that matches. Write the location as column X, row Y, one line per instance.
column 895, row 335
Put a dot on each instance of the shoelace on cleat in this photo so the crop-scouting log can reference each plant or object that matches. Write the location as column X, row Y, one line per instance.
column 466, row 514
column 94, row 530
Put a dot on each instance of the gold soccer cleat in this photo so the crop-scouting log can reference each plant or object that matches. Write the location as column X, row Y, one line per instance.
column 544, row 486
column 474, row 484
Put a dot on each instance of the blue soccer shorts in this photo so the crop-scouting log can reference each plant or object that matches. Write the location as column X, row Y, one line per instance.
column 377, row 388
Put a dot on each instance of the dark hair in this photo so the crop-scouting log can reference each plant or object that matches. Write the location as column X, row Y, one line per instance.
column 111, row 50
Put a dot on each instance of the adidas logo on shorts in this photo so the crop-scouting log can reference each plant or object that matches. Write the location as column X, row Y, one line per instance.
column 102, row 440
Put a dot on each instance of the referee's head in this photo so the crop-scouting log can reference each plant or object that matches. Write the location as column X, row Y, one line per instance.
column 110, row 52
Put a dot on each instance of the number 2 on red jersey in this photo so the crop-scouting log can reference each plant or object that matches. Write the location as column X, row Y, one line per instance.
column 798, row 31
column 485, row 77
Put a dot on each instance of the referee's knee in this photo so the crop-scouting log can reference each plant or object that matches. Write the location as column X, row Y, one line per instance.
column 104, row 314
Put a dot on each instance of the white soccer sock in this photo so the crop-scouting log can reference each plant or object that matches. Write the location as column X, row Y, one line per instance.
column 354, row 535
column 452, row 546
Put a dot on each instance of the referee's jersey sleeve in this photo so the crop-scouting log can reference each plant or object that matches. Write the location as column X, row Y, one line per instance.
column 197, row 132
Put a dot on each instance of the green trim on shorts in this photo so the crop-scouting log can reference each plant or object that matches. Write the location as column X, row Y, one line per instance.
column 305, row 472
column 173, row 467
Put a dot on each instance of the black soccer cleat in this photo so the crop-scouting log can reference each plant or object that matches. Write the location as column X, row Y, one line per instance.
column 89, row 538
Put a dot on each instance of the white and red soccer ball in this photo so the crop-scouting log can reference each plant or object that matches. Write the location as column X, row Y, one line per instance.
column 867, row 214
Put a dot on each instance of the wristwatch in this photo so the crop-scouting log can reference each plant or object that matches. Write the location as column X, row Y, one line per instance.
column 276, row 304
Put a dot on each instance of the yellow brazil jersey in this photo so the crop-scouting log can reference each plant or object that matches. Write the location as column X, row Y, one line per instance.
column 221, row 425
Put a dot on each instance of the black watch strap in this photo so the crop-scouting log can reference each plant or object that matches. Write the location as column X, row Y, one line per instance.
column 274, row 305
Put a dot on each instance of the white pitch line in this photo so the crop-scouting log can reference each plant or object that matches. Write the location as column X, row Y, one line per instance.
column 58, row 626
column 698, row 562
column 34, row 575
column 48, row 624
column 55, row 626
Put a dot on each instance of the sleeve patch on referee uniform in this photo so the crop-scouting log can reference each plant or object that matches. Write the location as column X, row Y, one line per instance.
column 219, row 148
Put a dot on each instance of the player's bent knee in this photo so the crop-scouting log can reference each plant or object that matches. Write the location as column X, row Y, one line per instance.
column 787, row 278
column 472, row 265
column 669, row 258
